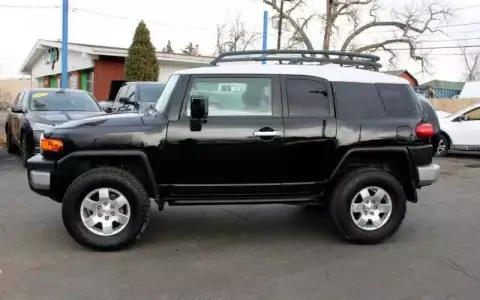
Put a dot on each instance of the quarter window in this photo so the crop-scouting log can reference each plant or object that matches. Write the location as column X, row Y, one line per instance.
column 399, row 100
column 358, row 101
column 234, row 96
column 307, row 98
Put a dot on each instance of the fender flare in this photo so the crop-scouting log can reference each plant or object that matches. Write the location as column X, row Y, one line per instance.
column 413, row 174
column 117, row 153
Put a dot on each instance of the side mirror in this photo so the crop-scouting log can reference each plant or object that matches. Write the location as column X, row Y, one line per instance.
column 18, row 109
column 460, row 118
column 108, row 109
column 199, row 107
column 124, row 100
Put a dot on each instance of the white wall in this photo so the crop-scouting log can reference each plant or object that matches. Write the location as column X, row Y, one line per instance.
column 75, row 62
column 166, row 69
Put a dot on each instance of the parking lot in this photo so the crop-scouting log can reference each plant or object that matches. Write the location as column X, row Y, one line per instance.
column 246, row 252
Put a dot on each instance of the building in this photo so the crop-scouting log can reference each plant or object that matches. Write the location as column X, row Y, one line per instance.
column 9, row 88
column 442, row 89
column 93, row 67
column 405, row 75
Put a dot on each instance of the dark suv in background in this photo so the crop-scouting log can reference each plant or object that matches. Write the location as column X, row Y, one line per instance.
column 135, row 96
column 35, row 110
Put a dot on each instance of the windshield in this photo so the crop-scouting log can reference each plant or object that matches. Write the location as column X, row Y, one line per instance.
column 62, row 101
column 165, row 95
column 149, row 92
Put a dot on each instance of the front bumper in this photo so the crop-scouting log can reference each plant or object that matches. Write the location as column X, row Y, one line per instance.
column 428, row 174
column 39, row 173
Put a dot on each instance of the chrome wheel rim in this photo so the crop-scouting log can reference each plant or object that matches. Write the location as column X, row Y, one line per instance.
column 105, row 211
column 371, row 208
column 442, row 147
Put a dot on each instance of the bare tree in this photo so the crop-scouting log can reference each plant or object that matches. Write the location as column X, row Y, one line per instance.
column 407, row 25
column 472, row 64
column 237, row 39
column 299, row 25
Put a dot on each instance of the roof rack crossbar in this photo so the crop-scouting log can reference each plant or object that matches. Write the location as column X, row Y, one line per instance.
column 366, row 61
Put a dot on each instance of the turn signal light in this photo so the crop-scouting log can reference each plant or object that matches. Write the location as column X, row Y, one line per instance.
column 425, row 130
column 51, row 145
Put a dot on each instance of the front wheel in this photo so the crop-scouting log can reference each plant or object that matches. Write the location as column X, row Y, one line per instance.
column 368, row 205
column 106, row 208
column 25, row 150
column 11, row 147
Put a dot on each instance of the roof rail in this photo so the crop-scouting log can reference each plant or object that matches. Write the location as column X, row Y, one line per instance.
column 351, row 59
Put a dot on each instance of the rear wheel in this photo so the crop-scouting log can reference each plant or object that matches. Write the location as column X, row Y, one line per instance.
column 368, row 205
column 106, row 209
column 443, row 146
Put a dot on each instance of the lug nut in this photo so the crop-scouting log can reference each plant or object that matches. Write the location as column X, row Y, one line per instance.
column 376, row 207
column 99, row 207
column 106, row 217
column 105, row 203
column 373, row 201
column 111, row 206
column 99, row 215
column 113, row 213
column 371, row 213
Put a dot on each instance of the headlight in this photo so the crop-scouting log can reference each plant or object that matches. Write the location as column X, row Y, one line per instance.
column 39, row 126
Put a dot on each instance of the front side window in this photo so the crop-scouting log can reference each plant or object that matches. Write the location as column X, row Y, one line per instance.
column 473, row 115
column 234, row 96
column 307, row 98
column 62, row 101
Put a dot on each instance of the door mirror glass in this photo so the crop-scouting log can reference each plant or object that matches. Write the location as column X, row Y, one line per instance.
column 108, row 109
column 199, row 107
column 17, row 109
column 124, row 100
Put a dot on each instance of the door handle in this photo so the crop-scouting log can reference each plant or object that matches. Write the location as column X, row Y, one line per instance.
column 267, row 133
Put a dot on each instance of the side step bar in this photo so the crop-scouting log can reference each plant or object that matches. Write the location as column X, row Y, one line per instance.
column 240, row 201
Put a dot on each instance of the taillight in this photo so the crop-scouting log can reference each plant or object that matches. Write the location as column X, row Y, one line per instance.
column 425, row 130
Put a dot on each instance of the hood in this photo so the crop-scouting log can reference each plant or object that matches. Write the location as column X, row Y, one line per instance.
column 107, row 120
column 60, row 117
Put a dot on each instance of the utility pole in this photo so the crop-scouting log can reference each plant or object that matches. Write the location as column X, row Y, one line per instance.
column 265, row 32
column 64, row 82
column 280, row 21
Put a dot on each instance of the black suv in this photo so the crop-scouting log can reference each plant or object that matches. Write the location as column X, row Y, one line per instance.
column 320, row 129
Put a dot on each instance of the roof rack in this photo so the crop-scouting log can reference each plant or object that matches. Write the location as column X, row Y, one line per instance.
column 350, row 59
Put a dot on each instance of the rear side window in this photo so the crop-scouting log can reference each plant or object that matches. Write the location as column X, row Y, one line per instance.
column 307, row 98
column 399, row 100
column 358, row 101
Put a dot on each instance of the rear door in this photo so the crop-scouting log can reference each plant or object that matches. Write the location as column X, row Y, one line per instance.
column 310, row 132
column 237, row 150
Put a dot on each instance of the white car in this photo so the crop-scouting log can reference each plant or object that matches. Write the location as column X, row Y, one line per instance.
column 442, row 114
column 460, row 131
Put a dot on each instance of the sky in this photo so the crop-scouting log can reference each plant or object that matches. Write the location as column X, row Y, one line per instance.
column 113, row 22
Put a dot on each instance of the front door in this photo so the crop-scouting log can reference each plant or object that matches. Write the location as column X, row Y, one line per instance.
column 237, row 149
column 466, row 132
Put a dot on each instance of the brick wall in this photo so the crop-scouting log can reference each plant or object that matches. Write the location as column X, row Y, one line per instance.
column 106, row 69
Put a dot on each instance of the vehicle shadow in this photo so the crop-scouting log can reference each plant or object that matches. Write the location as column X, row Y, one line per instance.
column 254, row 223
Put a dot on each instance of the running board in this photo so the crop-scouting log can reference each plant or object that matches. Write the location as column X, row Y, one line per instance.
column 240, row 201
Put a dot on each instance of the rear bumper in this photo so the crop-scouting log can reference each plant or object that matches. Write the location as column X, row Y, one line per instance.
column 428, row 174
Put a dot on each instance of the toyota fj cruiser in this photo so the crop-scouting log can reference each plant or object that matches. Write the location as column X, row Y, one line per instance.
column 317, row 127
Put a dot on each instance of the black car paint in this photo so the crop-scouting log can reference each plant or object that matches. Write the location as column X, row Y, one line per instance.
column 217, row 163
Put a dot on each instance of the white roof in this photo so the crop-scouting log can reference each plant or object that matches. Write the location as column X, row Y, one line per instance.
column 330, row 72
column 470, row 90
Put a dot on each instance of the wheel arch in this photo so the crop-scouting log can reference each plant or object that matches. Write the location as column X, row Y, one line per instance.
column 134, row 161
column 391, row 159
column 444, row 133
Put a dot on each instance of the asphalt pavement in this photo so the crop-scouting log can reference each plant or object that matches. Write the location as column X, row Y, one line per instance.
column 3, row 118
column 246, row 252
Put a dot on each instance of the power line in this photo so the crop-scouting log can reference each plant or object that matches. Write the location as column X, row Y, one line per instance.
column 434, row 48
column 29, row 6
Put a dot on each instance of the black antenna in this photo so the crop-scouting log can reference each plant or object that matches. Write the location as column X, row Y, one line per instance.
column 352, row 59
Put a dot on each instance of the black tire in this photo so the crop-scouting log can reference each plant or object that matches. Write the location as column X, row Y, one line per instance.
column 443, row 142
column 120, row 180
column 25, row 150
column 346, row 189
column 11, row 147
